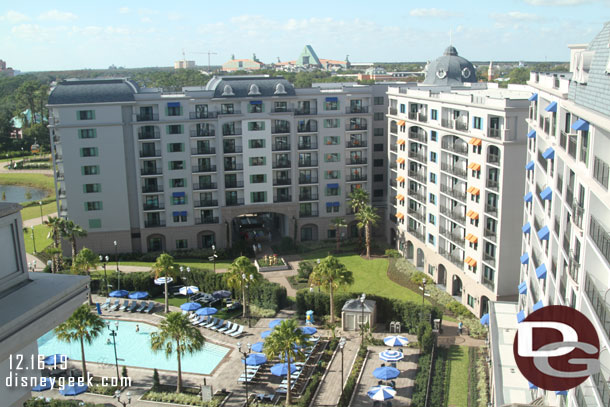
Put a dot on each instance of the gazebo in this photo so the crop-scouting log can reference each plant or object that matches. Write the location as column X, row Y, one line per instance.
column 354, row 313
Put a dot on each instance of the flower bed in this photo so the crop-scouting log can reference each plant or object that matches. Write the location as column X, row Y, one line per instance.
column 271, row 263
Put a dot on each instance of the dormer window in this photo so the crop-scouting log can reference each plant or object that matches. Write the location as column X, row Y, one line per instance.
column 228, row 91
column 254, row 90
column 279, row 89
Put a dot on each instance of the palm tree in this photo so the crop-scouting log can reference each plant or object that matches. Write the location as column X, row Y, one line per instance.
column 358, row 199
column 84, row 261
column 177, row 335
column 71, row 231
column 56, row 225
column 333, row 273
column 164, row 267
column 338, row 223
column 282, row 343
column 242, row 273
column 83, row 326
column 367, row 218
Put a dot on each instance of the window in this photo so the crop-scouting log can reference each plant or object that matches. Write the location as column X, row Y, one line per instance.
column 93, row 206
column 378, row 132
column 331, row 233
column 332, row 157
column 176, row 165
column 178, row 200
column 177, row 182
column 403, row 108
column 434, row 114
column 175, row 147
column 227, row 108
column 432, row 199
column 174, row 109
column 377, row 193
column 90, row 169
column 254, row 161
column 331, row 104
column 378, row 116
column 258, row 178
column 475, row 198
column 332, row 140
column 488, row 273
column 476, row 174
column 91, row 188
column 257, row 197
column 95, row 223
column 179, row 217
column 378, row 162
column 378, row 178
column 476, row 149
column 334, row 174
column 256, row 126
column 433, row 178
column 470, row 301
column 433, row 156
column 88, row 152
column 256, row 106
column 182, row 244
column 174, row 129
column 332, row 190
column 431, row 238
column 85, row 115
column 378, row 147
column 87, row 133
column 477, row 122
column 432, row 219
column 433, row 135
column 378, row 100
column 280, row 107
column 474, row 222
column 332, row 207
column 331, row 123
column 256, row 143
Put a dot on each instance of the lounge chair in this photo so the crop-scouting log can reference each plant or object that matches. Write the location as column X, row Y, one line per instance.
column 204, row 321
column 238, row 333
column 142, row 306
column 213, row 321
column 106, row 304
column 197, row 321
column 233, row 329
column 151, row 306
column 227, row 327
column 124, row 306
column 193, row 316
column 133, row 306
column 115, row 306
column 220, row 324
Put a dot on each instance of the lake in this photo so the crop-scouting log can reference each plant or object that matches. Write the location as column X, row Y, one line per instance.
column 17, row 194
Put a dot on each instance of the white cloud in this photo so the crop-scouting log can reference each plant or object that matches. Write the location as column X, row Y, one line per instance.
column 559, row 2
column 146, row 20
column 434, row 13
column 173, row 16
column 512, row 16
column 124, row 10
column 14, row 17
column 56, row 15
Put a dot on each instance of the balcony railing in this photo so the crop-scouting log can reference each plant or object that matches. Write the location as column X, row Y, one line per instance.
column 578, row 213
column 231, row 132
column 234, row 184
column 355, row 160
column 456, row 238
column 308, row 163
column 457, row 171
column 418, row 157
column 456, row 216
column 573, row 269
column 601, row 237
column 417, row 195
column 453, row 192
column 461, row 126
column 235, row 202
column 154, row 223
column 229, row 111
column 282, row 198
column 393, row 111
column 280, row 147
column 454, row 258
column 357, row 109
column 417, row 233
column 601, row 171
column 489, row 284
column 204, row 168
column 153, row 206
column 491, row 209
column 203, row 133
column 490, row 234
column 572, row 146
column 598, row 302
column 304, row 111
column 353, row 126
column 209, row 150
column 206, row 186
column 308, row 214
column 493, row 184
column 234, row 167
column 489, row 259
column 281, row 109
column 308, row 197
column 308, row 146
column 356, row 143
column 146, row 189
column 418, row 135
column 282, row 181
column 354, row 177
column 202, row 115
column 280, row 129
column 417, row 215
column 151, row 171
column 206, row 203
column 281, row 164
column 412, row 115
column 308, row 180
column 494, row 133
column 148, row 117
column 153, row 134
column 418, row 176
column 455, row 147
column 230, row 149
column 206, row 220
column 493, row 159
column 307, row 128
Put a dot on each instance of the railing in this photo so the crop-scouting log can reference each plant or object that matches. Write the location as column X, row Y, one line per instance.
column 153, row 206
column 202, row 115
column 418, row 157
column 453, row 215
column 280, row 147
column 230, row 111
column 422, row 117
column 308, row 180
column 569, row 194
column 281, row 164
column 149, row 117
column 357, row 109
column 151, row 188
column 149, row 134
column 56, row 139
column 204, row 168
column 282, row 198
column 447, row 123
column 206, row 186
column 352, row 126
column 308, row 146
column 493, row 184
column 203, row 133
column 417, row 135
column 206, row 220
column 154, row 223
column 454, row 258
column 417, row 233
column 601, row 238
column 461, row 126
column 308, row 214
column 573, row 269
column 598, row 302
column 151, row 171
column 453, row 192
column 572, row 146
column 393, row 147
column 235, row 202
column 59, row 157
column 280, row 129
column 355, row 160
column 601, row 171
column 494, row 133
column 455, row 238
column 308, row 197
column 206, row 203
column 491, row 209
column 556, row 225
column 489, row 284
column 412, row 116
column 352, row 177
column 417, row 195
column 209, row 150
column 454, row 147
column 234, row 167
column 578, row 213
column 490, row 234
column 393, row 111
column 489, row 259
column 281, row 110
column 61, row 193
column 307, row 128
column 356, row 144
column 417, row 215
column 234, row 184
column 460, row 172
column 563, row 139
column 305, row 111
column 493, row 159
column 419, row 177
column 308, row 163
column 231, row 132
column 282, row 181
column 229, row 149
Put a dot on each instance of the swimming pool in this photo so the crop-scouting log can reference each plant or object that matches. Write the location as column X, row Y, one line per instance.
column 133, row 349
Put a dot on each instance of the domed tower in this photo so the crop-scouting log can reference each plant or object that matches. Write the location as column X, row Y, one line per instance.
column 450, row 69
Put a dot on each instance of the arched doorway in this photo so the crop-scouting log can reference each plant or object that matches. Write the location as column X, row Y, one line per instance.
column 155, row 243
column 421, row 260
column 456, row 289
column 393, row 237
column 309, row 232
column 484, row 305
column 206, row 239
column 410, row 250
column 260, row 227
column 442, row 276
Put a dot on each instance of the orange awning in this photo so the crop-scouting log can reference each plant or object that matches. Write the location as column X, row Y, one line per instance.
column 400, row 197
column 472, row 215
column 400, row 141
column 400, row 215
column 400, row 123
column 470, row 261
column 400, row 179
column 474, row 166
column 472, row 238
column 475, row 141
column 474, row 191
column 400, row 160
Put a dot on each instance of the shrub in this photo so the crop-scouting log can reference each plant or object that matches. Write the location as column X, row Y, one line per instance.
column 305, row 269
column 268, row 295
column 350, row 384
column 439, row 378
column 36, row 402
column 259, row 312
column 179, row 398
column 421, row 380
column 310, row 390
column 393, row 253
column 156, row 382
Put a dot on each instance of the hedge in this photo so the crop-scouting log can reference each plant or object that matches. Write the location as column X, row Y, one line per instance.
column 418, row 398
column 35, row 402
column 268, row 295
column 179, row 398
column 350, row 384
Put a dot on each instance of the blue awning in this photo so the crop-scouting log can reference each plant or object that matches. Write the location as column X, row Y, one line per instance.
column 546, row 194
column 531, row 134
column 549, row 153
column 336, row 203
column 485, row 319
column 541, row 271
column 332, row 99
column 561, row 392
column 528, row 197
column 526, row 228
column 538, row 305
column 173, row 104
column 543, row 234
column 256, row 102
column 552, row 107
column 529, row 166
column 520, row 316
column 175, row 213
column 581, row 124
column 533, row 98
column 523, row 288
column 329, row 204
column 183, row 213
column 532, row 386
column 177, row 194
column 332, row 186
column 525, row 258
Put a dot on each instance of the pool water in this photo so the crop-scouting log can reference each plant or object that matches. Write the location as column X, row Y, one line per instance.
column 133, row 349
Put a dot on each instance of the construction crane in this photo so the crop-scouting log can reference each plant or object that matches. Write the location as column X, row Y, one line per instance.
column 208, row 54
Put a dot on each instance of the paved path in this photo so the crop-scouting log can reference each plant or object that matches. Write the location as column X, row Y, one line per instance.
column 36, row 221
column 450, row 336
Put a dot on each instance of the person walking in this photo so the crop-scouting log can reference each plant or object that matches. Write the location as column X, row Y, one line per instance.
column 460, row 326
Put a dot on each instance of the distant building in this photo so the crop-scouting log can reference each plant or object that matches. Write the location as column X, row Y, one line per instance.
column 184, row 64
column 308, row 60
column 4, row 70
column 242, row 64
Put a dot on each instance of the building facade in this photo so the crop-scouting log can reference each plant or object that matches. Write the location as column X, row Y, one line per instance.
column 156, row 171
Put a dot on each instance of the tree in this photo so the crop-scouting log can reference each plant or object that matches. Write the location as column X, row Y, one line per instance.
column 56, row 225
column 358, row 198
column 165, row 267
column 82, row 326
column 333, row 273
column 241, row 274
column 176, row 335
column 71, row 231
column 282, row 343
column 83, row 262
column 367, row 218
column 338, row 223
column 519, row 75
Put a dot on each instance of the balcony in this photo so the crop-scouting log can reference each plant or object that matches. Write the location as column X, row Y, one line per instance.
column 417, row 215
column 56, row 139
column 356, row 109
column 203, row 133
column 305, row 111
column 308, row 146
column 572, row 146
column 280, row 147
column 456, row 216
column 492, row 210
column 454, row 257
column 153, row 206
column 308, row 214
column 490, row 234
column 573, row 269
column 234, row 167
column 355, row 160
column 154, row 223
column 494, row 133
column 281, row 164
column 598, row 303
column 489, row 259
column 206, row 203
column 601, row 237
column 455, row 147
column 452, row 169
column 421, row 197
column 234, row 184
column 147, row 117
column 355, row 177
column 417, row 233
column 203, row 151
column 204, row 187
column 578, row 213
column 148, row 134
column 235, row 202
column 147, row 189
column 61, row 193
column 488, row 283
column 60, row 176
column 311, row 127
column 308, row 163
column 202, row 115
column 418, row 135
column 453, row 193
column 231, row 132
column 393, row 111
column 355, row 126
column 308, row 197
column 280, row 129
column 601, row 171
column 493, row 184
column 422, row 158
column 308, row 180
column 282, row 198
column 281, row 109
column 412, row 116
column 229, row 111
column 455, row 236
column 204, row 168
column 356, row 144
column 422, row 117
column 206, row 220
column 493, row 159
column 151, row 171
column 418, row 176
column 282, row 181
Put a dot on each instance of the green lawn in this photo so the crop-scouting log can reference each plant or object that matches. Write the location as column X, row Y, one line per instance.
column 193, row 263
column 40, row 234
column 31, row 180
column 458, row 379
column 32, row 212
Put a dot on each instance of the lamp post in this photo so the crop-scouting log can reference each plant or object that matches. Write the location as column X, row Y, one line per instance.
column 116, row 257
column 245, row 280
column 113, row 333
column 342, row 342
column 245, row 353
column 50, row 264
column 214, row 256
column 104, row 261
column 117, row 396
column 362, row 298
column 41, row 220
column 33, row 239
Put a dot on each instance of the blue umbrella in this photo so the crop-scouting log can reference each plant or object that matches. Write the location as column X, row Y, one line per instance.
column 206, row 311
column 255, row 359
column 386, row 373
column 381, row 393
column 281, row 369
column 308, row 330
column 265, row 334
column 275, row 323
column 73, row 390
column 257, row 347
column 119, row 293
column 56, row 359
column 191, row 289
column 161, row 280
column 138, row 295
column 396, row 341
column 221, row 294
column 391, row 355
column 190, row 306
column 45, row 384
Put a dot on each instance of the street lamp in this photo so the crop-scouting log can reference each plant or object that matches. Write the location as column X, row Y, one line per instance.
column 41, row 220
column 34, row 239
column 362, row 298
column 113, row 333
column 245, row 280
column 342, row 342
column 116, row 257
column 245, row 353
column 117, row 396
column 104, row 261
column 50, row 264
column 213, row 256
column 423, row 295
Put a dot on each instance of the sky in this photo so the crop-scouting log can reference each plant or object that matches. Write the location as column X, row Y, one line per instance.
column 60, row 35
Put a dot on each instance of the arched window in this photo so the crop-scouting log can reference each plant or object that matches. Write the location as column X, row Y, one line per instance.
column 279, row 89
column 228, row 91
column 254, row 90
